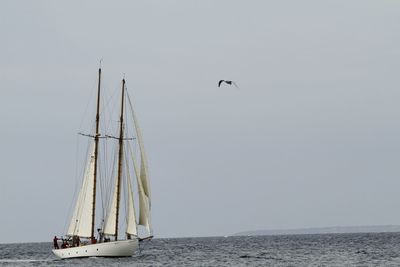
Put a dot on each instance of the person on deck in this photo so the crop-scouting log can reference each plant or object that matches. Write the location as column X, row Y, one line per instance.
column 76, row 241
column 55, row 243
column 100, row 235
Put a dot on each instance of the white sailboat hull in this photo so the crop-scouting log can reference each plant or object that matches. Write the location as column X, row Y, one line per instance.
column 123, row 248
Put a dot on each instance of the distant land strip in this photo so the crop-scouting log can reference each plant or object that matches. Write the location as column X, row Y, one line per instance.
column 324, row 230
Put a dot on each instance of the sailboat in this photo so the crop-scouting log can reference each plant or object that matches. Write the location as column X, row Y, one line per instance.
column 81, row 239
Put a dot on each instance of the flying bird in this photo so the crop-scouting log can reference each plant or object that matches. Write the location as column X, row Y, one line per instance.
column 227, row 82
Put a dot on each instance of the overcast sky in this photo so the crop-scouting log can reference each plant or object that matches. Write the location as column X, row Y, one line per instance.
column 311, row 138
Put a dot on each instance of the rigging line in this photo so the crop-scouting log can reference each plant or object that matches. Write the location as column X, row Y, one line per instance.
column 129, row 187
column 136, row 172
column 108, row 107
column 101, row 154
column 105, row 180
column 125, row 191
column 86, row 169
column 109, row 171
column 133, row 118
column 111, row 185
column 131, row 149
column 109, row 189
column 109, row 182
column 126, row 196
column 69, row 215
column 112, row 181
column 132, row 152
column 127, row 129
column 135, row 165
column 99, row 192
column 100, row 179
column 80, row 183
column 88, row 103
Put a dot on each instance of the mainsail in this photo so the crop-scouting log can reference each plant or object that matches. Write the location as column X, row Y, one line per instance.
column 81, row 221
column 109, row 227
column 131, row 226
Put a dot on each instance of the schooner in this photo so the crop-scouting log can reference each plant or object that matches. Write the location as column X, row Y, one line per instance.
column 82, row 239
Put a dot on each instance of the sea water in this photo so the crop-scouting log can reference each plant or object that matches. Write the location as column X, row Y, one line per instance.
column 369, row 249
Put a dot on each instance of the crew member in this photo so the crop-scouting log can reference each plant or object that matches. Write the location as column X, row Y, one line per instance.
column 55, row 243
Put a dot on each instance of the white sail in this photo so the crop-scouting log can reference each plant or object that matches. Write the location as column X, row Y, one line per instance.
column 131, row 227
column 81, row 221
column 142, row 178
column 144, row 209
column 144, row 203
column 109, row 227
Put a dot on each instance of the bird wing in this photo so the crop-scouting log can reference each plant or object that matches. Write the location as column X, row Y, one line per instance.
column 219, row 83
column 235, row 84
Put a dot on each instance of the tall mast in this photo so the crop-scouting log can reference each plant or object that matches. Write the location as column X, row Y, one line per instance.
column 96, row 144
column 120, row 153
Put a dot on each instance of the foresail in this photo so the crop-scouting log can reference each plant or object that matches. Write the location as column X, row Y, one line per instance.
column 144, row 210
column 81, row 221
column 144, row 203
column 142, row 178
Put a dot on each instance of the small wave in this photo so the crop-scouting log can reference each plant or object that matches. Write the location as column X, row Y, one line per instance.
column 245, row 256
column 24, row 260
column 262, row 256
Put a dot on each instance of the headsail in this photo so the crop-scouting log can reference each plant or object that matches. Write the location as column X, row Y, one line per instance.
column 142, row 177
column 81, row 221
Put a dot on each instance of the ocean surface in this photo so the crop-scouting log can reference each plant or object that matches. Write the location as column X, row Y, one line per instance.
column 374, row 249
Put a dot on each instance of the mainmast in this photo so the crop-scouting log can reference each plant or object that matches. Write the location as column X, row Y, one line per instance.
column 120, row 153
column 96, row 144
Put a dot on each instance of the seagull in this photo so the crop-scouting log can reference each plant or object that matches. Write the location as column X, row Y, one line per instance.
column 227, row 82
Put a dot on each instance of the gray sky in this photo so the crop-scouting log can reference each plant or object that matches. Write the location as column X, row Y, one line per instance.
column 311, row 138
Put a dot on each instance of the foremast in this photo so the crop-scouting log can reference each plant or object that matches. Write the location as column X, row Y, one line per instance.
column 96, row 150
column 82, row 223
